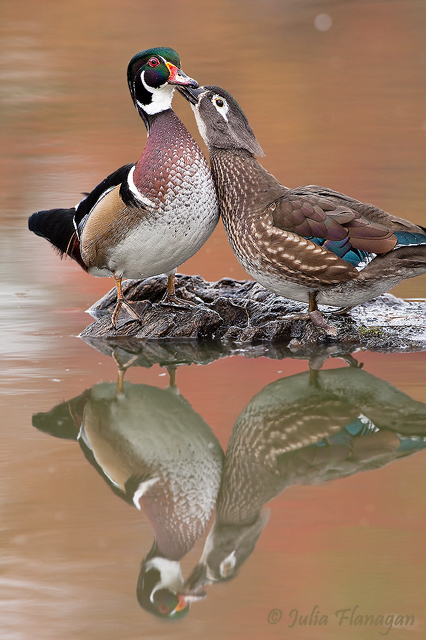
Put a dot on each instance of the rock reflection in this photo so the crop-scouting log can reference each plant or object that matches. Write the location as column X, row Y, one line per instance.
column 305, row 429
column 157, row 453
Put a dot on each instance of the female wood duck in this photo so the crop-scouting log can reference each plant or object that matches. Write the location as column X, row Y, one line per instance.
column 309, row 244
column 305, row 429
column 145, row 218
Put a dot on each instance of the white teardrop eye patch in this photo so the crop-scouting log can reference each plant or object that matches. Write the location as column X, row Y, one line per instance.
column 221, row 105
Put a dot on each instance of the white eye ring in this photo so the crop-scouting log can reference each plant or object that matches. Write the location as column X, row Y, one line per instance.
column 221, row 108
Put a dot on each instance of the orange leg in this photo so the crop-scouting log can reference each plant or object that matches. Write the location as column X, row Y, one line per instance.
column 122, row 368
column 172, row 377
column 171, row 297
column 121, row 302
column 120, row 380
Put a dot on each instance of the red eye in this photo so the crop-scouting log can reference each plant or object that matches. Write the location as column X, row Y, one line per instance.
column 153, row 62
column 163, row 608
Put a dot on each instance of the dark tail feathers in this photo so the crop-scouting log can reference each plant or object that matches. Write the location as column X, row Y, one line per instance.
column 57, row 226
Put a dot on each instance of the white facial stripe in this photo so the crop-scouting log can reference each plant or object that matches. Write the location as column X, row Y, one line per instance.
column 170, row 572
column 222, row 110
column 146, row 201
column 161, row 97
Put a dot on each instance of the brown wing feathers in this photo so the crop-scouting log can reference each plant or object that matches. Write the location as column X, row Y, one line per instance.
column 312, row 216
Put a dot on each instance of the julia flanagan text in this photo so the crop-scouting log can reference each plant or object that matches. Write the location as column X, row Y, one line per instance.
column 351, row 616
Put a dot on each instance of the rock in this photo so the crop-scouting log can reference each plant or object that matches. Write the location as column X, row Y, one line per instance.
column 245, row 313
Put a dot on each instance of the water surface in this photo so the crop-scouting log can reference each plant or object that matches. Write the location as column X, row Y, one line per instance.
column 343, row 107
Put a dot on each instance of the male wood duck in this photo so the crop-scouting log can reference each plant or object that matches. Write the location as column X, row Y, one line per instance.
column 310, row 244
column 146, row 218
column 160, row 456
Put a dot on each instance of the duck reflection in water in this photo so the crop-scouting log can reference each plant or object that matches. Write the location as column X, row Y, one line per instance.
column 158, row 454
column 305, row 429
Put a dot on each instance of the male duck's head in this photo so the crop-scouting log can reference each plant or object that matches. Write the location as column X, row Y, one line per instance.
column 152, row 76
column 161, row 590
column 220, row 119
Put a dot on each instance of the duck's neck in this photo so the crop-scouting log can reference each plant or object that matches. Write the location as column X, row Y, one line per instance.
column 161, row 102
column 168, row 140
column 244, row 187
column 156, row 120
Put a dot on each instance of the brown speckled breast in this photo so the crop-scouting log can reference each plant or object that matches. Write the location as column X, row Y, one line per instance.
column 246, row 194
column 170, row 158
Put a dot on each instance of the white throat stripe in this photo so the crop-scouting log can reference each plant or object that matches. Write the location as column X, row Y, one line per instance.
column 142, row 489
column 161, row 97
column 144, row 200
